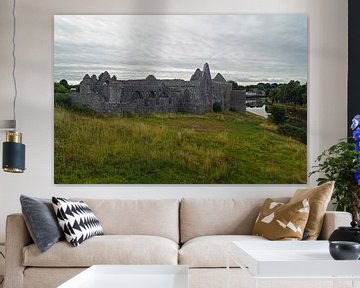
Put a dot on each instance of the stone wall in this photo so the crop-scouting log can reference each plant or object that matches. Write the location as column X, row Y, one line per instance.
column 238, row 101
column 107, row 95
column 222, row 94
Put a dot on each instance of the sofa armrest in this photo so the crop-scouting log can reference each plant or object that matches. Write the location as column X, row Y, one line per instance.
column 333, row 220
column 17, row 237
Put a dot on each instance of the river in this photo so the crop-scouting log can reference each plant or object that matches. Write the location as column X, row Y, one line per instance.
column 258, row 111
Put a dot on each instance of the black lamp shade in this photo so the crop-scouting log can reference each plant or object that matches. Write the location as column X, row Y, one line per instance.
column 13, row 157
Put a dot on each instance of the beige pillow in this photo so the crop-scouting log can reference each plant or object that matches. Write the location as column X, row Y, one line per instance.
column 319, row 198
column 279, row 221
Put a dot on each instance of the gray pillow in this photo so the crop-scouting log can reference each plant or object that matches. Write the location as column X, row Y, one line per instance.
column 41, row 221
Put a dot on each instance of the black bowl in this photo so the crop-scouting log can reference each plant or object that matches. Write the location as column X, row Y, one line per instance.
column 344, row 250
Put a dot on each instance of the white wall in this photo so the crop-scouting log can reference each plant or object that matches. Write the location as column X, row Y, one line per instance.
column 327, row 90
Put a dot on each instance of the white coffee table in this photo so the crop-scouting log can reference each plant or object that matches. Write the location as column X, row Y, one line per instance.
column 292, row 260
column 131, row 276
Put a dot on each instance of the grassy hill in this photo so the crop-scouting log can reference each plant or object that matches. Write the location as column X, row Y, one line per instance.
column 225, row 148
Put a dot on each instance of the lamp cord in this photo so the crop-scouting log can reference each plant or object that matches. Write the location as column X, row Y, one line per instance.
column 14, row 61
column 2, row 280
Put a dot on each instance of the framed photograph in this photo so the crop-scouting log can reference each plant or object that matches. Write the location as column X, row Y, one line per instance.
column 180, row 99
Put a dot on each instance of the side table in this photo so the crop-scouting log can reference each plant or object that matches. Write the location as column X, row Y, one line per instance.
column 131, row 276
column 293, row 263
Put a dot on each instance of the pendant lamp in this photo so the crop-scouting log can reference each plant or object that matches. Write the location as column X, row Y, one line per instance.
column 13, row 160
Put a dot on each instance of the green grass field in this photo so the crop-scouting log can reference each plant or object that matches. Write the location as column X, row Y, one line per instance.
column 225, row 148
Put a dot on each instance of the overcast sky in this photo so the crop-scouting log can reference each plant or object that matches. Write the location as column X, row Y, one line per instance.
column 244, row 48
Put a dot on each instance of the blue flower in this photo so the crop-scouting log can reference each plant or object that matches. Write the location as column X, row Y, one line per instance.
column 355, row 122
column 355, row 126
column 356, row 134
column 357, row 176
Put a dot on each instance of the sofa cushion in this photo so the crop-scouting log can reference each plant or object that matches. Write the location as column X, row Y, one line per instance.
column 77, row 220
column 319, row 198
column 107, row 249
column 211, row 251
column 41, row 221
column 158, row 217
column 200, row 217
column 35, row 277
column 279, row 221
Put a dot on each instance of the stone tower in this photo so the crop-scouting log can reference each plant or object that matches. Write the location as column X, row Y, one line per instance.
column 206, row 88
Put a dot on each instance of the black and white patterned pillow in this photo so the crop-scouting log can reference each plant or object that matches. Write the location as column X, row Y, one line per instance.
column 77, row 220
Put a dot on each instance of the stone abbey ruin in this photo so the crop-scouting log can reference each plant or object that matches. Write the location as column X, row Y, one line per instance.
column 107, row 95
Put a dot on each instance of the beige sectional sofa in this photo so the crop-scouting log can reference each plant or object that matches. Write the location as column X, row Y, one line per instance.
column 194, row 232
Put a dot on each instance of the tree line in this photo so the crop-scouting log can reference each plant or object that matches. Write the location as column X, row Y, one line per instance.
column 292, row 92
column 62, row 92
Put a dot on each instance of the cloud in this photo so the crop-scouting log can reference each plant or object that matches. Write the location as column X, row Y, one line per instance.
column 264, row 46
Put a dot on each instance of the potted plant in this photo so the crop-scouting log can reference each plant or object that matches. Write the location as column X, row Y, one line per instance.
column 341, row 163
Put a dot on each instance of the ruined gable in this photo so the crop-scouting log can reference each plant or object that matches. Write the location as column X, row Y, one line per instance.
column 197, row 75
column 219, row 78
